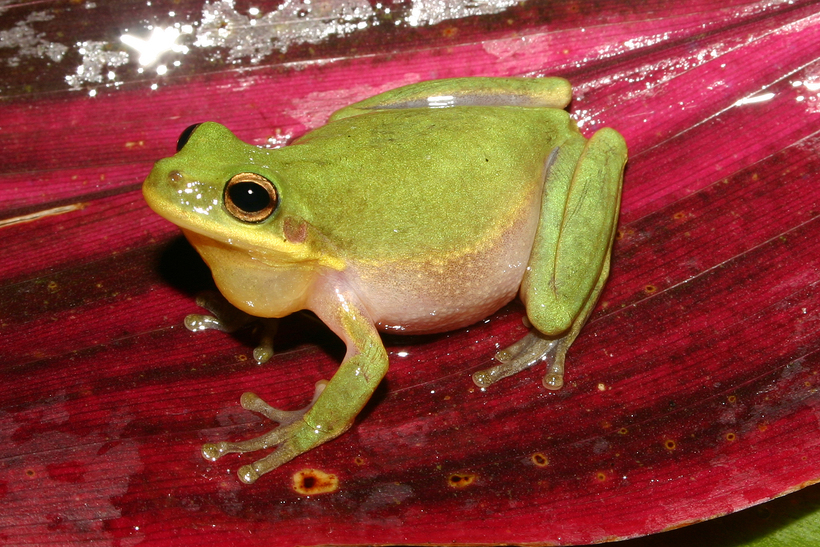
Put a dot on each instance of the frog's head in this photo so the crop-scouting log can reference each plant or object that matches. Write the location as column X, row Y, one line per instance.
column 228, row 199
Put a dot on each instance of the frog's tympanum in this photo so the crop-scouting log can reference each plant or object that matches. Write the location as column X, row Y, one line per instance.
column 419, row 210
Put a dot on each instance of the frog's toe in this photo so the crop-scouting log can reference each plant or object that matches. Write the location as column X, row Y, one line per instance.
column 250, row 401
column 531, row 349
column 249, row 473
column 290, row 422
column 227, row 318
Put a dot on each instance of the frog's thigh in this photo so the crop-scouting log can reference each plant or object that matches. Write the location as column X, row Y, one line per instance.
column 579, row 214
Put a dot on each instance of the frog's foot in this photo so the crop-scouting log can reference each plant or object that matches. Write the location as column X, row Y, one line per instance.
column 290, row 422
column 531, row 349
column 227, row 318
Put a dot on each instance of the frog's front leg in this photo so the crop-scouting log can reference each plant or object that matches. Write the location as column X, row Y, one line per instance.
column 570, row 259
column 335, row 404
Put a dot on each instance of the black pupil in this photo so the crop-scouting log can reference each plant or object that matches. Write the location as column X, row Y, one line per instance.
column 249, row 196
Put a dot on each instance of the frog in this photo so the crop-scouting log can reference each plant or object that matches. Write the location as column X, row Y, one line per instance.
column 423, row 209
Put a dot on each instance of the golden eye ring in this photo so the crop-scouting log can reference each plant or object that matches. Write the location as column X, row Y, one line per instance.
column 250, row 197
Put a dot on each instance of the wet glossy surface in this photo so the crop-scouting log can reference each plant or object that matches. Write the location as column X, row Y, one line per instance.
column 691, row 393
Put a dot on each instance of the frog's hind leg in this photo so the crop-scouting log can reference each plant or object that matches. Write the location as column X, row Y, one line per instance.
column 536, row 347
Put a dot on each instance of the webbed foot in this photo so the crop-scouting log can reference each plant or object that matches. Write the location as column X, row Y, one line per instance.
column 531, row 349
column 290, row 423
column 228, row 318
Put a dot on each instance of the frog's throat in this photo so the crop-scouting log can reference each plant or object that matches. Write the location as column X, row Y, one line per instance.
column 253, row 285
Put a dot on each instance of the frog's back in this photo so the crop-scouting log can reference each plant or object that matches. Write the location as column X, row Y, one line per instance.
column 414, row 182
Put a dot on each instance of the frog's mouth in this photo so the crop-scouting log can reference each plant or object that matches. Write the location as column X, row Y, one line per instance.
column 220, row 249
column 228, row 253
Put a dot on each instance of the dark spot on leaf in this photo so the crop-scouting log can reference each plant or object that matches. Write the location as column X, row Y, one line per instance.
column 69, row 472
column 108, row 446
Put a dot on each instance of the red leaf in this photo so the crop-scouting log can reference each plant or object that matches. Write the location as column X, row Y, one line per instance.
column 691, row 393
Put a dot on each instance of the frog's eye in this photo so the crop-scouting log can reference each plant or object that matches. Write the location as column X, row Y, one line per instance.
column 185, row 135
column 250, row 197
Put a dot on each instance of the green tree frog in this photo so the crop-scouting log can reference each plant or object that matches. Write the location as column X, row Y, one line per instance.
column 419, row 210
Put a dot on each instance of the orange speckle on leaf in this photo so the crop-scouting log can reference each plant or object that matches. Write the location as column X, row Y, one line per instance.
column 540, row 459
column 670, row 444
column 314, row 481
column 461, row 480
column 730, row 436
column 449, row 32
column 650, row 289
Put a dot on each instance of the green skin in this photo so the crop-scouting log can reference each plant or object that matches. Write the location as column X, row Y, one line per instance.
column 422, row 209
